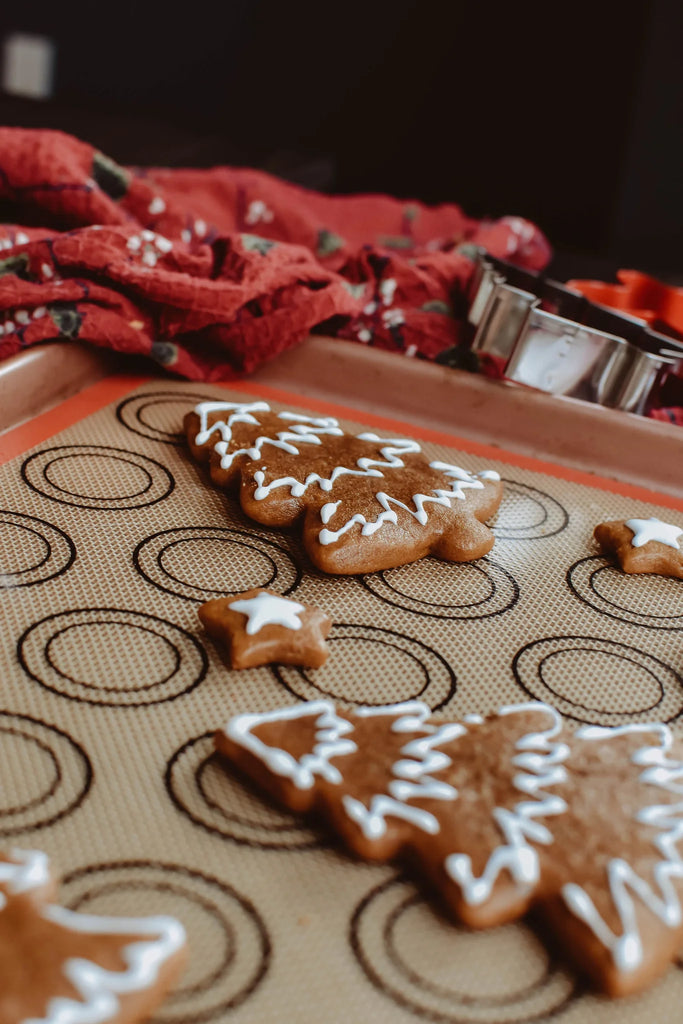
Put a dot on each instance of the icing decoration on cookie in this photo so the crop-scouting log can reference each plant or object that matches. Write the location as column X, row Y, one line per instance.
column 268, row 610
column 502, row 814
column 645, row 530
column 28, row 869
column 259, row 627
column 412, row 773
column 643, row 545
column 542, row 764
column 626, row 885
column 460, row 478
column 88, row 969
column 305, row 431
column 329, row 730
column 367, row 502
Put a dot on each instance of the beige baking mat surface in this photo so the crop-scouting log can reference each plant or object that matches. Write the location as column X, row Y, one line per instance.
column 110, row 537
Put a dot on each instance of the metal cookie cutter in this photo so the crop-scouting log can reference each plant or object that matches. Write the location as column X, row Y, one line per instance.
column 546, row 336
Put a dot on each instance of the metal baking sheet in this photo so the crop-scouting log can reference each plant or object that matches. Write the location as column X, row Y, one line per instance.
column 111, row 537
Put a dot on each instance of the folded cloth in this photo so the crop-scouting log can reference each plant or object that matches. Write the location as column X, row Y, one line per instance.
column 672, row 415
column 213, row 272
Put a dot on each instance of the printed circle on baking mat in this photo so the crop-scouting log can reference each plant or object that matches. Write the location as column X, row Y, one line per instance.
column 204, row 790
column 468, row 590
column 112, row 656
column 442, row 972
column 227, row 942
column 32, row 550
column 185, row 562
column 642, row 599
column 157, row 415
column 372, row 666
column 526, row 513
column 600, row 682
column 97, row 477
column 45, row 774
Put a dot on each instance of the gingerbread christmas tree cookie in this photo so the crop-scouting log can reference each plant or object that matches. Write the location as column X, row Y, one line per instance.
column 259, row 627
column 366, row 502
column 61, row 967
column 643, row 545
column 501, row 814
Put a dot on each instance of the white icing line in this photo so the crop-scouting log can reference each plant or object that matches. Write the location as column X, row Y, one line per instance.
column 460, row 477
column 329, row 730
column 412, row 779
column 645, row 530
column 306, row 430
column 625, row 885
column 541, row 762
column 242, row 413
column 99, row 988
column 269, row 609
column 328, row 510
column 30, row 870
column 390, row 453
column 372, row 820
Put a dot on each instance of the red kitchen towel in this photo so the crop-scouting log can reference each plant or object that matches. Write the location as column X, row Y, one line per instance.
column 212, row 272
column 672, row 415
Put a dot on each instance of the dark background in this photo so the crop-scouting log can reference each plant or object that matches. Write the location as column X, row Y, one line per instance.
column 572, row 117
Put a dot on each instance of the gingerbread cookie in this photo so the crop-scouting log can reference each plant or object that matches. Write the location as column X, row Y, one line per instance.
column 643, row 545
column 260, row 627
column 501, row 814
column 367, row 502
column 60, row 967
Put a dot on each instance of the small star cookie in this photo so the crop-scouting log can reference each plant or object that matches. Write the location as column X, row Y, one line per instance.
column 643, row 545
column 260, row 627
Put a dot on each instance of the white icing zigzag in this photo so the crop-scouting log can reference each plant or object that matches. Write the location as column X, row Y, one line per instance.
column 626, row 887
column 541, row 762
column 329, row 743
column 28, row 870
column 97, row 988
column 461, row 480
column 242, row 414
column 412, row 775
column 391, row 459
column 307, row 430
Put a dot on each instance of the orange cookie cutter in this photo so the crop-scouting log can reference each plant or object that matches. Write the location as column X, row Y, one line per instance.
column 639, row 295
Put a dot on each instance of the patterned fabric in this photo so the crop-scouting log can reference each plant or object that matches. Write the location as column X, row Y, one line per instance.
column 211, row 273
column 674, row 415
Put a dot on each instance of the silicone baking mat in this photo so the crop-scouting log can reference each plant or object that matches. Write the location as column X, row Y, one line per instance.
column 111, row 537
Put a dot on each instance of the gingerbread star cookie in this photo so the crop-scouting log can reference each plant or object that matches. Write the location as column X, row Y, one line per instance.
column 61, row 967
column 366, row 502
column 501, row 814
column 260, row 627
column 643, row 545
